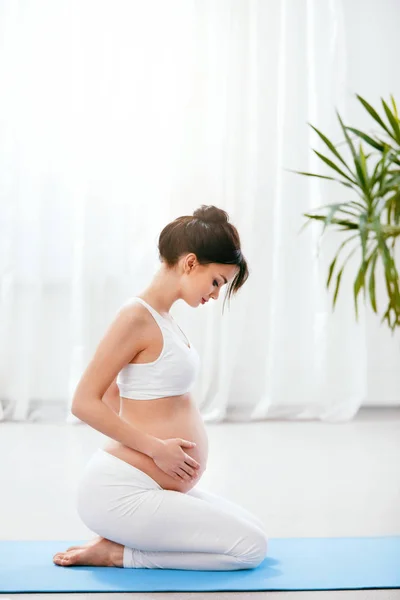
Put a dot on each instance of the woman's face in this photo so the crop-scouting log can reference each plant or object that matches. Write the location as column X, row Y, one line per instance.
column 200, row 283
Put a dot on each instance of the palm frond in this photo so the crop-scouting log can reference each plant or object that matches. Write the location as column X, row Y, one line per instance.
column 373, row 218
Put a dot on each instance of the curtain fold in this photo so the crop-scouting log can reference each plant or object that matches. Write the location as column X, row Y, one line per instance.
column 117, row 117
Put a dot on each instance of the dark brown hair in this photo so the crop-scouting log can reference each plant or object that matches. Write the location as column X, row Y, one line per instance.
column 210, row 236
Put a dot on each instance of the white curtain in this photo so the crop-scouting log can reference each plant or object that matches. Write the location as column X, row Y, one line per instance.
column 117, row 116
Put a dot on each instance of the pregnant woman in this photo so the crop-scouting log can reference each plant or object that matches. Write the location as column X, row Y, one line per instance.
column 139, row 493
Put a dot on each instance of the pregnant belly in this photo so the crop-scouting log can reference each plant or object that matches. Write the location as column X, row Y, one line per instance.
column 165, row 418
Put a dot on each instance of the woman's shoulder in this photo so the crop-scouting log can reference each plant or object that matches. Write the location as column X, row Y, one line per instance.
column 134, row 309
column 146, row 320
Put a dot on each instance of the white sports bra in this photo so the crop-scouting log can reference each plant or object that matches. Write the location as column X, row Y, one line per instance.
column 174, row 371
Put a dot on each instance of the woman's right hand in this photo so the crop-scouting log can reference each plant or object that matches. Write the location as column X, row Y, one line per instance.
column 170, row 458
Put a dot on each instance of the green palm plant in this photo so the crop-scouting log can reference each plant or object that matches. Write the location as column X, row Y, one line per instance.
column 372, row 219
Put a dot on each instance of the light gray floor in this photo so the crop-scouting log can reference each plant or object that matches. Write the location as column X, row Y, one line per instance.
column 302, row 479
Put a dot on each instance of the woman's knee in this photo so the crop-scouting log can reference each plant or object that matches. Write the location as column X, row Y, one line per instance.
column 255, row 551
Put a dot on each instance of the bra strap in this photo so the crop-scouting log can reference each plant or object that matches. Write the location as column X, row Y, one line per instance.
column 159, row 318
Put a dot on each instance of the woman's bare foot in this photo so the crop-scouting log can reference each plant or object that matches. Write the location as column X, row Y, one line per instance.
column 94, row 541
column 100, row 552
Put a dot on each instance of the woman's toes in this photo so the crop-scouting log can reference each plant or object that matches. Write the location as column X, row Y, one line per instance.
column 64, row 560
column 57, row 558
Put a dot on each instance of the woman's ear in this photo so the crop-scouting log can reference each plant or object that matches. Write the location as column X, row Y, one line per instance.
column 190, row 262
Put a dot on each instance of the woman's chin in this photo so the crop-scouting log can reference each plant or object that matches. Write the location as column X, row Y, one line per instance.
column 192, row 303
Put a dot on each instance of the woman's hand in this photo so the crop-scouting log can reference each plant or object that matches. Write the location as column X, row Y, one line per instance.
column 170, row 458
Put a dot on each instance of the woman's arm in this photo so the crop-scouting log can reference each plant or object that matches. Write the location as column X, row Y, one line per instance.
column 111, row 397
column 99, row 416
column 124, row 339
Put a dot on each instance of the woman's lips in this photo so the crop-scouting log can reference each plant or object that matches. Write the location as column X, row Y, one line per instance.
column 203, row 301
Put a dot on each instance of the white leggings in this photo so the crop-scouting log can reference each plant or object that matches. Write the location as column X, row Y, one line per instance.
column 164, row 529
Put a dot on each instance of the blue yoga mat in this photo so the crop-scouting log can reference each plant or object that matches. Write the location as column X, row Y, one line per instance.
column 292, row 564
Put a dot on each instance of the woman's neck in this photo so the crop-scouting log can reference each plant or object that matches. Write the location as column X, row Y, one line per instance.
column 163, row 291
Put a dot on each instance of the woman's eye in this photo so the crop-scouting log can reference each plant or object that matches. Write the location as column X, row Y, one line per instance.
column 215, row 282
